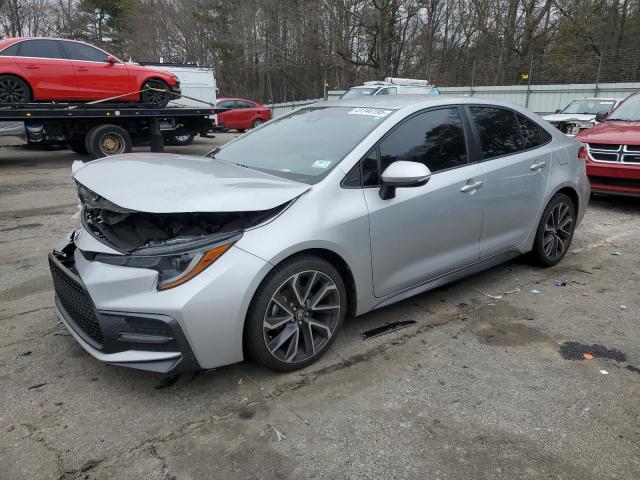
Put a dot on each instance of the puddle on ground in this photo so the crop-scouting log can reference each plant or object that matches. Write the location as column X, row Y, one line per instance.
column 504, row 325
column 576, row 351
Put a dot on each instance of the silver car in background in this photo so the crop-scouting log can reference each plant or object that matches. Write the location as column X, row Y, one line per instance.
column 262, row 248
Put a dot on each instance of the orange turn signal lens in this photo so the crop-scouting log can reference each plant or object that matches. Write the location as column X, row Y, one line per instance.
column 202, row 262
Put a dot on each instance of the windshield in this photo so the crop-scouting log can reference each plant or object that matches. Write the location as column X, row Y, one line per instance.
column 589, row 106
column 304, row 145
column 358, row 91
column 628, row 111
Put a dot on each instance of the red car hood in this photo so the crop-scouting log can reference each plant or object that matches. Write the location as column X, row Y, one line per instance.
column 626, row 133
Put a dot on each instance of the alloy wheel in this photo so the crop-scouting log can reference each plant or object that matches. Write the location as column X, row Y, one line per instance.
column 301, row 316
column 557, row 231
column 12, row 91
column 257, row 122
column 156, row 93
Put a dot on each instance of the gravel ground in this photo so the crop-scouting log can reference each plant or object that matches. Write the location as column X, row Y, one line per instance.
column 478, row 388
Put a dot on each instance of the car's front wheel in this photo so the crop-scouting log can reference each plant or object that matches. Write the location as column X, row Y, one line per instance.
column 156, row 93
column 555, row 231
column 296, row 313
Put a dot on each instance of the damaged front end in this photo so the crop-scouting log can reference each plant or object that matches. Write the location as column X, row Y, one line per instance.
column 572, row 127
column 177, row 245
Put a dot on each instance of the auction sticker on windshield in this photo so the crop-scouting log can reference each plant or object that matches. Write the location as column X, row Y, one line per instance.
column 321, row 164
column 372, row 112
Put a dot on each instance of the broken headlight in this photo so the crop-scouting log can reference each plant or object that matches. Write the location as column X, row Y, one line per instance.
column 174, row 267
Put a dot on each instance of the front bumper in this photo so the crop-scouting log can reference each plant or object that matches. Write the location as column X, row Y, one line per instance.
column 144, row 341
column 205, row 316
column 614, row 178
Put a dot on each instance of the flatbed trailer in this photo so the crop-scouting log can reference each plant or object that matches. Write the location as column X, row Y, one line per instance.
column 101, row 129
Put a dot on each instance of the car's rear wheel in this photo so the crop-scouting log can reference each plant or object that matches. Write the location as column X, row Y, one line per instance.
column 257, row 122
column 14, row 90
column 296, row 313
column 156, row 93
column 555, row 231
column 107, row 140
column 180, row 140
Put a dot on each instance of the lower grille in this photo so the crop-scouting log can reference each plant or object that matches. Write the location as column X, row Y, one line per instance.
column 148, row 326
column 618, row 182
column 75, row 300
column 604, row 157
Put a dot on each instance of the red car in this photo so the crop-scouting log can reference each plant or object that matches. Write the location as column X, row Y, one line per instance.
column 613, row 150
column 244, row 114
column 46, row 69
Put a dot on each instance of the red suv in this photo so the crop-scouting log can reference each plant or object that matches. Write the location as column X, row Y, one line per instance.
column 613, row 149
column 243, row 114
column 46, row 69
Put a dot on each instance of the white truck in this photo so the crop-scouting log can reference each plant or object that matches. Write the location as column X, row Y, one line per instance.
column 393, row 86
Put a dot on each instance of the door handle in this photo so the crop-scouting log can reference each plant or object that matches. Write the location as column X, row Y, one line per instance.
column 537, row 165
column 83, row 69
column 470, row 187
column 32, row 67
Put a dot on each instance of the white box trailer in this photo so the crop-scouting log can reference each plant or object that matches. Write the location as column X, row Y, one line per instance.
column 195, row 81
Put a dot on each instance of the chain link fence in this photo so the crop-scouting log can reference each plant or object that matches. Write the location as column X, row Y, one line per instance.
column 615, row 66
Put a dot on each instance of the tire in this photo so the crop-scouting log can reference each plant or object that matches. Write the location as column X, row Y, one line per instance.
column 14, row 90
column 180, row 140
column 288, row 334
column 107, row 140
column 241, row 130
column 257, row 122
column 555, row 231
column 154, row 97
column 78, row 145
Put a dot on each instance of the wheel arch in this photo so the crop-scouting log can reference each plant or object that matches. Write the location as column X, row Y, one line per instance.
column 24, row 79
column 572, row 194
column 336, row 260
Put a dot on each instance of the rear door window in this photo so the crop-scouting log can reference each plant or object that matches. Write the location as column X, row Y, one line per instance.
column 498, row 130
column 80, row 51
column 40, row 49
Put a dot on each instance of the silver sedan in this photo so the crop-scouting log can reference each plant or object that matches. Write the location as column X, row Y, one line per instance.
column 263, row 247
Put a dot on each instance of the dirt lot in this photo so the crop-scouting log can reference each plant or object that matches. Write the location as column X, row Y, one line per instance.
column 478, row 388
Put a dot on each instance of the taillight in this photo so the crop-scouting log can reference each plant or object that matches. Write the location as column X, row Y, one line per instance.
column 582, row 153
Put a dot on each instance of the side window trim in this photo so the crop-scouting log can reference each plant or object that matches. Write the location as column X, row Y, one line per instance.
column 376, row 146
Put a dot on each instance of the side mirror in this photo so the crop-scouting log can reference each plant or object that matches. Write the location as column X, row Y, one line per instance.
column 111, row 59
column 402, row 174
column 601, row 116
column 558, row 110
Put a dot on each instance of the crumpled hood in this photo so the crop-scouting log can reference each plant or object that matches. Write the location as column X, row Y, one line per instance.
column 167, row 183
column 625, row 133
column 565, row 117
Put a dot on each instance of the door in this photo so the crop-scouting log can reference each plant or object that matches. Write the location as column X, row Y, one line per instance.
column 516, row 164
column 229, row 118
column 244, row 113
column 424, row 231
column 98, row 79
column 45, row 67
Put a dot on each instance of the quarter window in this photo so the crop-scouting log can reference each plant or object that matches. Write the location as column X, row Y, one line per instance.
column 40, row 49
column 434, row 138
column 10, row 51
column 498, row 130
column 80, row 51
column 531, row 133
